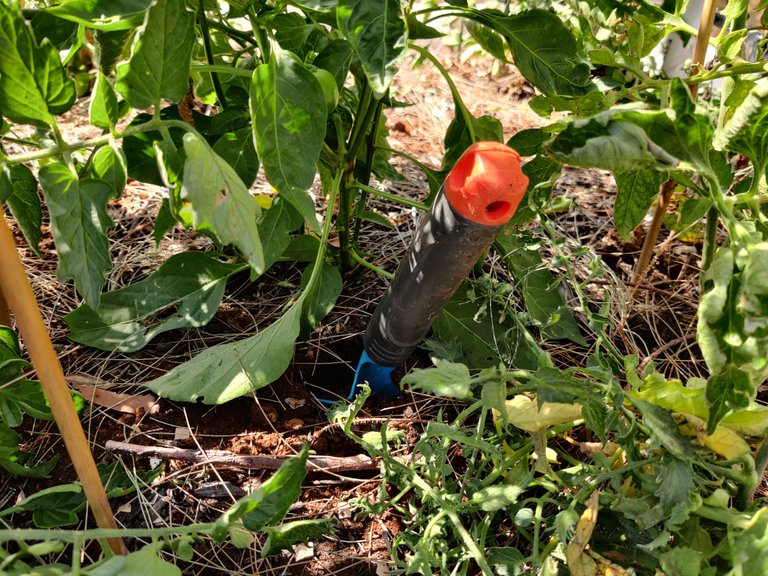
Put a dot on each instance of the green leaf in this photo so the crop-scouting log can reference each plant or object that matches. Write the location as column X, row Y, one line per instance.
column 144, row 562
column 543, row 49
column 539, row 288
column 269, row 503
column 335, row 58
column 220, row 201
column 164, row 221
column 284, row 536
column 446, row 379
column 485, row 340
column 289, row 116
column 681, row 561
column 103, row 111
column 376, row 30
column 275, row 228
column 664, row 429
column 489, row 40
column 730, row 389
column 14, row 459
column 79, row 221
column 103, row 14
column 159, row 64
column 33, row 83
column 126, row 319
column 52, row 507
column 497, row 496
column 238, row 149
column 21, row 196
column 745, row 131
column 23, row 397
column 324, row 294
column 108, row 165
column 458, row 139
column 228, row 371
column 109, row 47
column 674, row 480
column 636, row 191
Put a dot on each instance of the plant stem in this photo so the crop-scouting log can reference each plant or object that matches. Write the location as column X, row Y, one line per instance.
column 392, row 197
column 710, row 238
column 222, row 69
column 363, row 262
column 209, row 54
column 365, row 177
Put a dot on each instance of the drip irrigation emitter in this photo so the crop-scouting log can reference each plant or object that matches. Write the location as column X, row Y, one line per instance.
column 477, row 199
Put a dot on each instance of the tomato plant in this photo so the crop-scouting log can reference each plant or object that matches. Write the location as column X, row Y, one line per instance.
column 300, row 89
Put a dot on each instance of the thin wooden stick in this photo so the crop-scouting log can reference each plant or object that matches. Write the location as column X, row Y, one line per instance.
column 332, row 464
column 21, row 299
column 5, row 313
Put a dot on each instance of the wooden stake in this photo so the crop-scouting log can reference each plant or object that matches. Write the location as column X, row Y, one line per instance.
column 21, row 300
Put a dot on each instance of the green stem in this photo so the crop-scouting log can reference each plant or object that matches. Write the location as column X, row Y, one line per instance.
column 209, row 54
column 761, row 463
column 221, row 69
column 325, row 235
column 73, row 536
column 362, row 119
column 468, row 118
column 710, row 239
column 363, row 262
column 391, row 197
column 233, row 32
column 365, row 177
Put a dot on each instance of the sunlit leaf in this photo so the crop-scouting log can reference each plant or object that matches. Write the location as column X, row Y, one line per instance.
column 228, row 371
column 103, row 14
column 18, row 188
column 159, row 64
column 285, row 536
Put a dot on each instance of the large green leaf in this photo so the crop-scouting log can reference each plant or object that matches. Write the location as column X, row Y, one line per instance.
column 636, row 191
column 220, row 201
column 275, row 228
column 103, row 14
column 125, row 319
column 269, row 503
column 543, row 49
column 18, row 188
column 52, row 507
column 324, row 294
column 289, row 118
column 539, row 288
column 376, row 30
column 108, row 164
column 79, row 221
column 335, row 58
column 675, row 482
column 103, row 111
column 33, row 83
column 228, row 371
column 159, row 64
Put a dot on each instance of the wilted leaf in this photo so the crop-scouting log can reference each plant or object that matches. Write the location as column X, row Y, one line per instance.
column 446, row 379
column 525, row 413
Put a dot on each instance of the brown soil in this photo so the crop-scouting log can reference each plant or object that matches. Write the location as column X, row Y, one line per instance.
column 276, row 421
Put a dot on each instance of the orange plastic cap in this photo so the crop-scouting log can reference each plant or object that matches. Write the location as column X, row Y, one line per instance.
column 487, row 183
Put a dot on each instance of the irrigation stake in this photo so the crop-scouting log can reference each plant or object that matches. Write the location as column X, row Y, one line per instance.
column 21, row 300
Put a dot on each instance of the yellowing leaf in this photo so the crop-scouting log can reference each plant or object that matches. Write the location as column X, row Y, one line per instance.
column 727, row 443
column 524, row 413
column 579, row 562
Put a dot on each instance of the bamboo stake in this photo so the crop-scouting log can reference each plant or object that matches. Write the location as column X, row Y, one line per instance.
column 21, row 300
